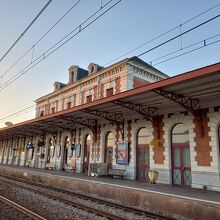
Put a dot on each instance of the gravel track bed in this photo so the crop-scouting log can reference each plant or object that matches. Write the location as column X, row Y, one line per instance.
column 7, row 212
column 113, row 210
column 48, row 208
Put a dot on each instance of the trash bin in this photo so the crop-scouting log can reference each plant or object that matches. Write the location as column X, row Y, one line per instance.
column 153, row 175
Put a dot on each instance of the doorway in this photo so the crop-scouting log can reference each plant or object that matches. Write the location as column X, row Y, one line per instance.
column 180, row 156
column 143, row 155
column 86, row 153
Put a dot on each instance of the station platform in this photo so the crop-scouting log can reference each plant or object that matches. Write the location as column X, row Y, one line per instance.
column 187, row 202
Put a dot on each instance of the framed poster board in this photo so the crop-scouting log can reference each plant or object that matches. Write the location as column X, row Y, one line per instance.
column 122, row 153
column 77, row 150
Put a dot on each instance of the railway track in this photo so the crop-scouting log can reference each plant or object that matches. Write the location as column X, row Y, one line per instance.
column 97, row 211
column 24, row 211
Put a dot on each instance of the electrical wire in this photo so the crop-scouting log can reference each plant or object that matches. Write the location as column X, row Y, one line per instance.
column 183, row 48
column 37, row 42
column 9, row 116
column 181, row 34
column 79, row 93
column 163, row 34
column 45, row 55
column 26, row 29
column 6, row 113
column 191, row 45
column 190, row 51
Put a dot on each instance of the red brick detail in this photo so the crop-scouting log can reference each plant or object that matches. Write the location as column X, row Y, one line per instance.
column 57, row 103
column 93, row 147
column 202, row 148
column 158, row 135
column 117, row 134
column 79, row 136
column 63, row 104
column 129, row 134
column 137, row 82
column 83, row 96
column 95, row 92
column 129, row 131
column 98, row 142
column 74, row 100
column 102, row 91
column 118, row 85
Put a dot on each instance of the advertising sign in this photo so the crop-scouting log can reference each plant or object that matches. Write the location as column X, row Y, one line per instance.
column 122, row 153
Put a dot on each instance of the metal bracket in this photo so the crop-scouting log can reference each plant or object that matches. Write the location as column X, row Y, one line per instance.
column 147, row 112
column 89, row 123
column 115, row 118
column 188, row 103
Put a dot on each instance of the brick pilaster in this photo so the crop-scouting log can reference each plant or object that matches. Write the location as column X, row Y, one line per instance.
column 158, row 136
column 203, row 148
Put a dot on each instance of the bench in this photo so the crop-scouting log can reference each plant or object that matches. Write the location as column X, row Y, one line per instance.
column 50, row 166
column 117, row 172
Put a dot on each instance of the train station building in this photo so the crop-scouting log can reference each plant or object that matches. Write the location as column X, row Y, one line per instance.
column 129, row 116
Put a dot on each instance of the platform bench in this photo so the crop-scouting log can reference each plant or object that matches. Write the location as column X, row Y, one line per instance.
column 117, row 172
column 50, row 166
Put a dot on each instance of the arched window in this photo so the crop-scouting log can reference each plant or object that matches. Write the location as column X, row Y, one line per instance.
column 180, row 155
column 108, row 156
column 142, row 154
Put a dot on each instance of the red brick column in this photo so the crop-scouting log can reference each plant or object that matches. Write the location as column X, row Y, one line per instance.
column 98, row 142
column 158, row 136
column 79, row 137
column 118, row 85
column 83, row 96
column 102, row 91
column 117, row 133
column 202, row 148
column 129, row 134
column 74, row 100
column 95, row 92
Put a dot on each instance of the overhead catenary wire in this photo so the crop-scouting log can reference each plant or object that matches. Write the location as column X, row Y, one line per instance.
column 37, row 42
column 189, row 45
column 51, row 50
column 17, row 108
column 79, row 93
column 8, row 116
column 190, row 51
column 204, row 42
column 26, row 29
column 179, row 35
column 163, row 34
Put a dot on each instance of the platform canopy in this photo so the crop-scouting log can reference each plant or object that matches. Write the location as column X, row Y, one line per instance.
column 191, row 91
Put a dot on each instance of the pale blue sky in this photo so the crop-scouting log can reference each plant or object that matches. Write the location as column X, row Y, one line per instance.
column 128, row 25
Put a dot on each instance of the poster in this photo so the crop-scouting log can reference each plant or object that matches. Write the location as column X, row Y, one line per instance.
column 122, row 153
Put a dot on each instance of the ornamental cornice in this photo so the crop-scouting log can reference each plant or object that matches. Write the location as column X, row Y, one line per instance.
column 145, row 73
column 83, row 82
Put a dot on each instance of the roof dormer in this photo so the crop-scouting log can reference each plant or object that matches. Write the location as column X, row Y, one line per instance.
column 93, row 68
column 58, row 85
column 76, row 73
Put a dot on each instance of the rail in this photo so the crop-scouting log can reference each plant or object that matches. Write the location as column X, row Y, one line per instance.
column 141, row 212
column 21, row 209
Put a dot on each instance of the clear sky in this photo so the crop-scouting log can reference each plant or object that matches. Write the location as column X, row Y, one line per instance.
column 125, row 27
